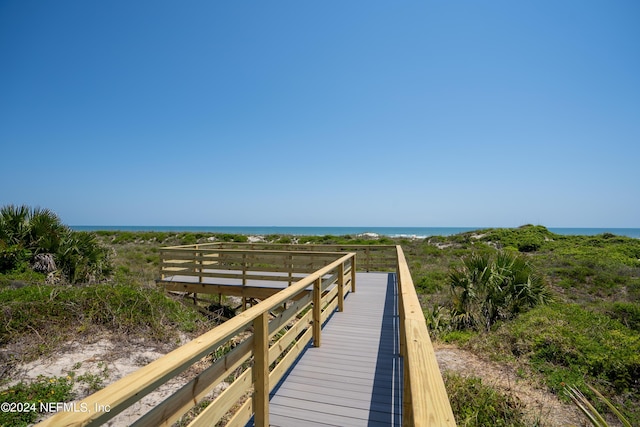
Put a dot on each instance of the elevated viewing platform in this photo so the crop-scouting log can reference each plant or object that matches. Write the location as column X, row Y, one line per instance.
column 316, row 344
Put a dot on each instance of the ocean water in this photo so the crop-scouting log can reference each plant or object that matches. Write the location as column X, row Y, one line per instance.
column 416, row 232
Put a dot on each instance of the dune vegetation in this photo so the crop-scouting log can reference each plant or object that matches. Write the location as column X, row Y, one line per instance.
column 561, row 311
column 581, row 331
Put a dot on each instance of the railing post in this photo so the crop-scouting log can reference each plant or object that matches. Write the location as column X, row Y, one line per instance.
column 162, row 260
column 198, row 262
column 341, row 287
column 317, row 318
column 244, row 269
column 245, row 300
column 353, row 274
column 198, row 269
column 261, row 369
column 367, row 261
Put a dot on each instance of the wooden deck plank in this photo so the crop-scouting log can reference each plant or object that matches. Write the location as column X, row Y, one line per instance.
column 288, row 416
column 321, row 411
column 335, row 392
column 315, row 360
column 332, row 385
column 332, row 399
column 365, row 378
column 351, row 371
column 354, row 377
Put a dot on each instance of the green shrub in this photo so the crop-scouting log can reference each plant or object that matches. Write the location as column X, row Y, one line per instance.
column 42, row 390
column 486, row 289
column 26, row 234
column 188, row 239
column 433, row 281
column 122, row 308
column 476, row 404
column 14, row 258
column 82, row 259
column 528, row 238
column 459, row 337
column 125, row 237
column 568, row 343
column 628, row 313
column 239, row 238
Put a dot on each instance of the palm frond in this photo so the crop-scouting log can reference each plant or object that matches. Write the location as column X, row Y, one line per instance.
column 611, row 406
column 585, row 406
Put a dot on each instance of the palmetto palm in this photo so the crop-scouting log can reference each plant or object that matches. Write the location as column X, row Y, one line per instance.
column 82, row 258
column 38, row 230
column 467, row 283
column 485, row 289
column 45, row 230
column 28, row 235
column 14, row 222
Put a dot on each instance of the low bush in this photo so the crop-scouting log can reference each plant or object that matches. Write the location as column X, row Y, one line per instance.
column 66, row 310
column 432, row 281
column 569, row 344
column 476, row 404
column 30, row 396
column 528, row 238
column 28, row 236
column 486, row 289
column 628, row 313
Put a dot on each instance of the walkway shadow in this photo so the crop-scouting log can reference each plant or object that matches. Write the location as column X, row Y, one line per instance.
column 386, row 403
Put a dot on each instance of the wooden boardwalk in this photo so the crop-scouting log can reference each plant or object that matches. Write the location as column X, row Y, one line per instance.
column 355, row 377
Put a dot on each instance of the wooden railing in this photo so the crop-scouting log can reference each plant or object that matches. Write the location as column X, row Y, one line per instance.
column 267, row 338
column 203, row 262
column 424, row 398
column 370, row 257
column 264, row 348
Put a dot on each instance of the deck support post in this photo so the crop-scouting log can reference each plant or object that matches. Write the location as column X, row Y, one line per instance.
column 317, row 312
column 261, row 369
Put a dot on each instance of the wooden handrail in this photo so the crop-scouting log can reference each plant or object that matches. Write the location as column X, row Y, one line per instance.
column 285, row 350
column 424, row 398
column 275, row 344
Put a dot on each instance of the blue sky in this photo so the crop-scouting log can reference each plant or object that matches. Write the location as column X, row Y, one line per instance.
column 332, row 113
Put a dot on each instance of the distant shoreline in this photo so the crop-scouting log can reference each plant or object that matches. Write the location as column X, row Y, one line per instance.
column 411, row 232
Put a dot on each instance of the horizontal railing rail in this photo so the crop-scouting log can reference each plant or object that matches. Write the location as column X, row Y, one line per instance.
column 424, row 397
column 270, row 265
column 255, row 345
column 370, row 257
